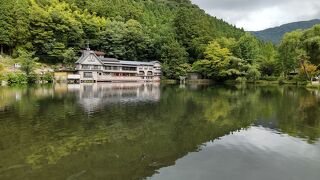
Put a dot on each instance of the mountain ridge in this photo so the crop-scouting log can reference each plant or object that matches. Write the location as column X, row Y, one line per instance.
column 275, row 34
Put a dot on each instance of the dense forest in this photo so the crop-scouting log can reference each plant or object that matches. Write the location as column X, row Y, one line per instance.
column 175, row 32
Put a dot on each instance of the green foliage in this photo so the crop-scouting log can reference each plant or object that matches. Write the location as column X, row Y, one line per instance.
column 134, row 30
column 17, row 78
column 281, row 80
column 231, row 59
column 174, row 58
column 253, row 73
column 32, row 78
column 288, row 51
column 1, row 67
column 241, row 80
column 300, row 50
column 267, row 60
column 3, row 77
column 6, row 23
column 47, row 77
column 69, row 58
column 247, row 48
column 28, row 61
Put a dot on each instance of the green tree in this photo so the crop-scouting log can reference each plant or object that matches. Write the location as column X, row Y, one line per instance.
column 216, row 61
column 268, row 59
column 6, row 24
column 69, row 58
column 289, row 49
column 28, row 61
column 174, row 59
column 247, row 48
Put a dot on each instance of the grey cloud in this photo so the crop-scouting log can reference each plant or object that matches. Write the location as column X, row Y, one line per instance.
column 261, row 14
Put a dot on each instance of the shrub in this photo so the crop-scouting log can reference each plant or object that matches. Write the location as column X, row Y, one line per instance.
column 253, row 74
column 17, row 78
column 241, row 80
column 47, row 77
column 32, row 78
column 1, row 67
column 281, row 80
column 2, row 77
column 270, row 78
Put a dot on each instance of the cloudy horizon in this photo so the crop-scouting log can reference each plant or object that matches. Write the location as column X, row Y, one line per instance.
column 261, row 14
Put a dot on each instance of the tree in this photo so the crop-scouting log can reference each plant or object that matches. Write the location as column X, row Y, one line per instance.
column 247, row 48
column 267, row 59
column 6, row 24
column 174, row 59
column 216, row 61
column 253, row 73
column 310, row 40
column 54, row 28
column 289, row 49
column 69, row 58
column 28, row 61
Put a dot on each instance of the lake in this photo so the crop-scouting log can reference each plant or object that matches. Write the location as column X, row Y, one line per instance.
column 157, row 132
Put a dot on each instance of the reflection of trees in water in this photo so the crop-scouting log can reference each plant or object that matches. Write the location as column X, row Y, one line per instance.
column 131, row 141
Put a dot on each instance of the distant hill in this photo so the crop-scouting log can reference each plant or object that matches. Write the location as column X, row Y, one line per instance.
column 275, row 34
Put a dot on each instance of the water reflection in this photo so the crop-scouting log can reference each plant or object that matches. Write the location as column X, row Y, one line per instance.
column 133, row 131
column 255, row 153
column 95, row 96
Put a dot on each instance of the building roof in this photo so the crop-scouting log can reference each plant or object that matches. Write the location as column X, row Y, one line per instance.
column 137, row 63
column 84, row 56
column 109, row 59
column 106, row 60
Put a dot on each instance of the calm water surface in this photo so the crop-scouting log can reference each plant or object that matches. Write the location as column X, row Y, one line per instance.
column 156, row 132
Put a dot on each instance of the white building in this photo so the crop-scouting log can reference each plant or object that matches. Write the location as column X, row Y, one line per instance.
column 94, row 67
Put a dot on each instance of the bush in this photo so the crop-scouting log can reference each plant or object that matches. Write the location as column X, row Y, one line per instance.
column 270, row 78
column 253, row 74
column 2, row 77
column 17, row 78
column 1, row 67
column 47, row 77
column 32, row 78
column 241, row 80
column 281, row 80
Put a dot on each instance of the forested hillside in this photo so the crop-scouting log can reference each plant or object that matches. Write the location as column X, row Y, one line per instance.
column 175, row 32
column 275, row 34
column 171, row 31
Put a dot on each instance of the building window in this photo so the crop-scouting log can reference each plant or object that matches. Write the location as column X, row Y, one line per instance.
column 96, row 67
column 107, row 67
column 129, row 68
column 87, row 75
column 141, row 73
column 150, row 73
column 85, row 66
column 115, row 68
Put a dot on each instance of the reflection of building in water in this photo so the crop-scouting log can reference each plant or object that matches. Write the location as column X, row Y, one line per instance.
column 95, row 96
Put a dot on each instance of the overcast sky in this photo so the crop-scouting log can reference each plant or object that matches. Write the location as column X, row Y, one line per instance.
column 261, row 14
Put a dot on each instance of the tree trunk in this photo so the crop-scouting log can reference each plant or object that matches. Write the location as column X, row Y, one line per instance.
column 1, row 47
